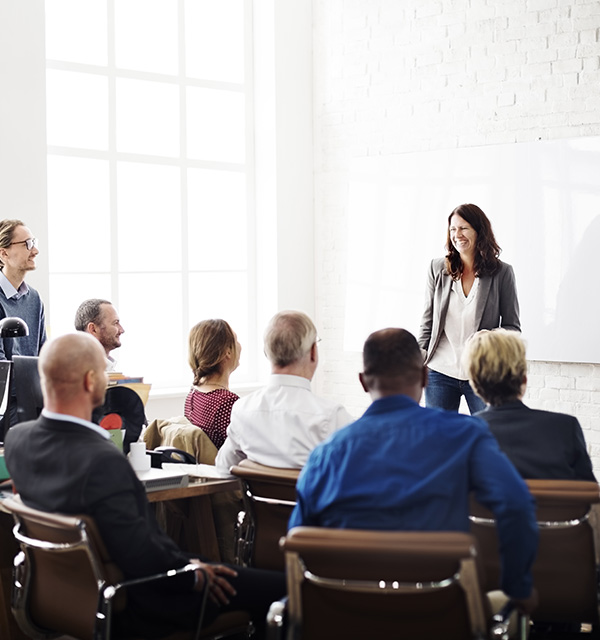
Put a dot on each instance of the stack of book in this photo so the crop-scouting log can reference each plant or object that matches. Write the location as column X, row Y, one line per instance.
column 133, row 382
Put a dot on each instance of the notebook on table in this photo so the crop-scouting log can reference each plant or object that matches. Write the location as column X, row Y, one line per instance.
column 160, row 479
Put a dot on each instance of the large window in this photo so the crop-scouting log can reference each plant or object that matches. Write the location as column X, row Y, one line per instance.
column 150, row 173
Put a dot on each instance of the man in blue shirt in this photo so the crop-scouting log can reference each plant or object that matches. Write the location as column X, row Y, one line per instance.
column 402, row 466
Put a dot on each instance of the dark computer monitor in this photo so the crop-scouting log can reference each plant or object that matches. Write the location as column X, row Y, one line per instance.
column 4, row 396
column 28, row 390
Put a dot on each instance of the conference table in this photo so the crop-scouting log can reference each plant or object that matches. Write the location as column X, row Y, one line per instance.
column 194, row 531
column 186, row 514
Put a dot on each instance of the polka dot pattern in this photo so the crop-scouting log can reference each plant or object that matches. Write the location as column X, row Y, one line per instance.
column 211, row 412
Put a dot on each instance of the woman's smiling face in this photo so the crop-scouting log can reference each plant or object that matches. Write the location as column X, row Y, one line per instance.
column 462, row 235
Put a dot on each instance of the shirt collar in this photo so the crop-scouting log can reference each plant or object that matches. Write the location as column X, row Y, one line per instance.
column 507, row 406
column 390, row 403
column 287, row 380
column 84, row 423
column 9, row 290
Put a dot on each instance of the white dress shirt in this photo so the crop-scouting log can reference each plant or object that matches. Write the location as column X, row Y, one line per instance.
column 279, row 425
column 459, row 327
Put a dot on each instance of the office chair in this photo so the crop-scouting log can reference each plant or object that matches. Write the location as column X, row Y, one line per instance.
column 565, row 569
column 269, row 496
column 179, row 432
column 345, row 583
column 66, row 584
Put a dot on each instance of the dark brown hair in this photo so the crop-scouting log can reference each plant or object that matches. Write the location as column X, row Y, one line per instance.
column 209, row 341
column 486, row 247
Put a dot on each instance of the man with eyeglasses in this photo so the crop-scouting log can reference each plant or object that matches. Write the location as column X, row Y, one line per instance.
column 18, row 250
column 282, row 423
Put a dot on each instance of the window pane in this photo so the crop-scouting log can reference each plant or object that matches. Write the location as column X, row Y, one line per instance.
column 217, row 220
column 216, row 125
column 67, row 292
column 149, row 208
column 214, row 40
column 76, row 110
column 147, row 117
column 78, row 215
column 153, row 345
column 76, row 31
column 222, row 295
column 146, row 35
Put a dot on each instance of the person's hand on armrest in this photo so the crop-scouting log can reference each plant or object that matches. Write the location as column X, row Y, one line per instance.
column 219, row 588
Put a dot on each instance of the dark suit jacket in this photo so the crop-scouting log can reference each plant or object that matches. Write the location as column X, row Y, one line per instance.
column 57, row 465
column 541, row 444
column 61, row 466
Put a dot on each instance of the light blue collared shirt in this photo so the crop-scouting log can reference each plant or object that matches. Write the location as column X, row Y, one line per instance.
column 83, row 423
column 9, row 290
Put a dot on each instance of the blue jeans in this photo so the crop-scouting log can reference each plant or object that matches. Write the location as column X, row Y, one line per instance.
column 444, row 392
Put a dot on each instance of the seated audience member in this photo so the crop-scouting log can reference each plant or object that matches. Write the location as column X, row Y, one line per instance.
column 64, row 463
column 214, row 354
column 541, row 444
column 406, row 467
column 99, row 318
column 282, row 423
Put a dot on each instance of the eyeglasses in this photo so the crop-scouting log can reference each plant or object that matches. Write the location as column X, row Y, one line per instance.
column 29, row 243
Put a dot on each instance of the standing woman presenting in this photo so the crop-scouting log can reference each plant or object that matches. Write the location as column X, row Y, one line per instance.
column 468, row 290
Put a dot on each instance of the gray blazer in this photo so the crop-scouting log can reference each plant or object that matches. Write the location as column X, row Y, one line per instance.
column 497, row 304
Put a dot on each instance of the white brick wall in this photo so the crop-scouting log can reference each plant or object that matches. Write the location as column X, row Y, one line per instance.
column 416, row 75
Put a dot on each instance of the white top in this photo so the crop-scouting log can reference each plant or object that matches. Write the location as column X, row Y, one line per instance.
column 279, row 425
column 458, row 328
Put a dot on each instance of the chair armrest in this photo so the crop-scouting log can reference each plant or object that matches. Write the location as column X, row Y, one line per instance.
column 276, row 619
column 108, row 593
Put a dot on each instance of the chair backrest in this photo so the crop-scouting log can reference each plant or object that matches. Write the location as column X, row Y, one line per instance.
column 269, row 497
column 181, row 434
column 564, row 572
column 369, row 584
column 128, row 406
column 62, row 567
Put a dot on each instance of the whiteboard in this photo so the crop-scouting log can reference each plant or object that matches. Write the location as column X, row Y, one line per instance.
column 543, row 200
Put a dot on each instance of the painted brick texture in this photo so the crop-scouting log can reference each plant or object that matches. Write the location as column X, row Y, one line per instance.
column 418, row 75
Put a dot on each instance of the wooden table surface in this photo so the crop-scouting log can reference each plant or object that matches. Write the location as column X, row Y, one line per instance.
column 194, row 489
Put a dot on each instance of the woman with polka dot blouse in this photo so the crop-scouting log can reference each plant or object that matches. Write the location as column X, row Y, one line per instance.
column 214, row 353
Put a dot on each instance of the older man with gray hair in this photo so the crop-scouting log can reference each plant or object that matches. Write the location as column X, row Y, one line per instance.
column 282, row 423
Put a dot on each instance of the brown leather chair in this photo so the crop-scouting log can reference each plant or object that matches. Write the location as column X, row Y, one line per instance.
column 66, row 584
column 269, row 497
column 565, row 569
column 346, row 583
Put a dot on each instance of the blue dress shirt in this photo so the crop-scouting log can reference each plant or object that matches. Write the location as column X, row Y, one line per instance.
column 404, row 467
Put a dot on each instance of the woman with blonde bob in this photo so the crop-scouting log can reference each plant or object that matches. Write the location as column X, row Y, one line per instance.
column 214, row 353
column 541, row 444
